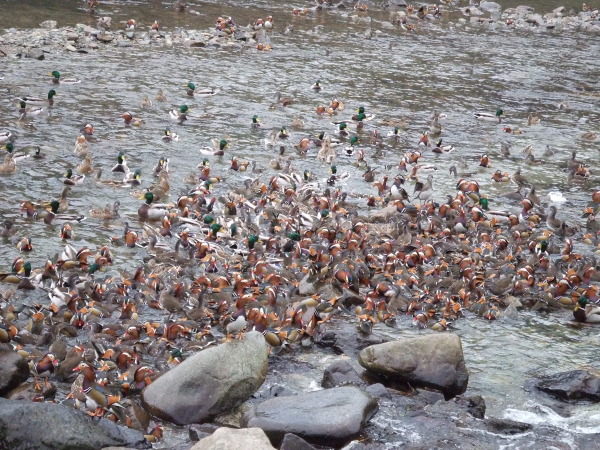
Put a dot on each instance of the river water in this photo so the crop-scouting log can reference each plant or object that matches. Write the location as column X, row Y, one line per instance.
column 444, row 66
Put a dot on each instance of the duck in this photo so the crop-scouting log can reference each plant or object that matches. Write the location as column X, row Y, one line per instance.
column 496, row 117
column 169, row 136
column 192, row 92
column 49, row 101
column 586, row 312
column 6, row 136
column 108, row 212
column 317, row 86
column 146, row 102
column 179, row 115
column 520, row 179
column 121, row 165
column 130, row 120
column 25, row 112
column 440, row 148
column 255, row 122
column 85, row 166
column 82, row 147
column 58, row 80
column 52, row 215
column 9, row 166
column 71, row 179
column 17, row 156
column 148, row 211
column 551, row 221
column 87, row 131
column 160, row 96
column 217, row 149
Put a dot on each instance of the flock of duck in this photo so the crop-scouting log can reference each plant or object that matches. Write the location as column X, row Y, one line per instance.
column 282, row 254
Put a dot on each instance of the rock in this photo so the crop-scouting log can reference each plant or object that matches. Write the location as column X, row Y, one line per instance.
column 194, row 44
column 341, row 373
column 105, row 37
column 231, row 439
column 197, row 432
column 124, row 44
column 435, row 361
column 330, row 417
column 51, row 426
column 72, row 36
column 573, row 385
column 70, row 48
column 27, row 392
column 211, row 382
column 13, row 370
column 49, row 24
column 35, row 53
column 378, row 390
column 293, row 442
column 476, row 406
column 308, row 285
column 506, row 426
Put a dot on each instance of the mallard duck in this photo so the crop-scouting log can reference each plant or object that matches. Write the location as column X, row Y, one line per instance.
column 58, row 80
column 6, row 136
column 17, row 156
column 72, row 179
column 151, row 212
column 192, row 92
column 439, row 148
column 146, row 102
column 217, row 149
column 52, row 215
column 9, row 166
column 121, row 165
column 255, row 122
column 40, row 101
column 170, row 136
column 160, row 96
column 349, row 150
column 85, row 166
column 162, row 166
column 586, row 312
column 497, row 117
column 107, row 212
column 179, row 115
column 25, row 112
column 133, row 178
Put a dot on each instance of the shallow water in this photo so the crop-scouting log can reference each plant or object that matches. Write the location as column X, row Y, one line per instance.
column 455, row 70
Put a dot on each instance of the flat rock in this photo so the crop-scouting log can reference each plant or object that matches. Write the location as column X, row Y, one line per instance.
column 35, row 53
column 194, row 43
column 105, row 37
column 41, row 426
column 49, row 24
column 232, row 439
column 293, row 442
column 572, row 385
column 341, row 373
column 330, row 417
column 435, row 361
column 211, row 382
column 13, row 370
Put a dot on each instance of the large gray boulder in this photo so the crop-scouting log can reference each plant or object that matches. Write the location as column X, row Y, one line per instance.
column 331, row 417
column 232, row 439
column 41, row 426
column 211, row 382
column 435, row 361
column 13, row 370
column 572, row 385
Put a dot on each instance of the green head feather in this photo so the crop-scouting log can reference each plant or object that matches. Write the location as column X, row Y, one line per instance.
column 324, row 213
column 333, row 169
column 361, row 110
column 253, row 239
column 51, row 93
column 183, row 109
column 484, row 203
column 69, row 173
column 222, row 144
column 354, row 140
column 255, row 119
column 149, row 196
column 499, row 112
column 233, row 229
column 27, row 269
column 208, row 219
column 583, row 301
column 216, row 227
column 343, row 126
column 9, row 147
column 54, row 206
column 56, row 74
column 121, row 157
column 22, row 104
column 294, row 236
column 191, row 86
column 93, row 268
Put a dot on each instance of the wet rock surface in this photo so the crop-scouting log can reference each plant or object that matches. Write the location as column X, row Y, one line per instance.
column 434, row 361
column 572, row 385
column 13, row 370
column 330, row 417
column 26, row 425
column 211, row 382
column 232, row 439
